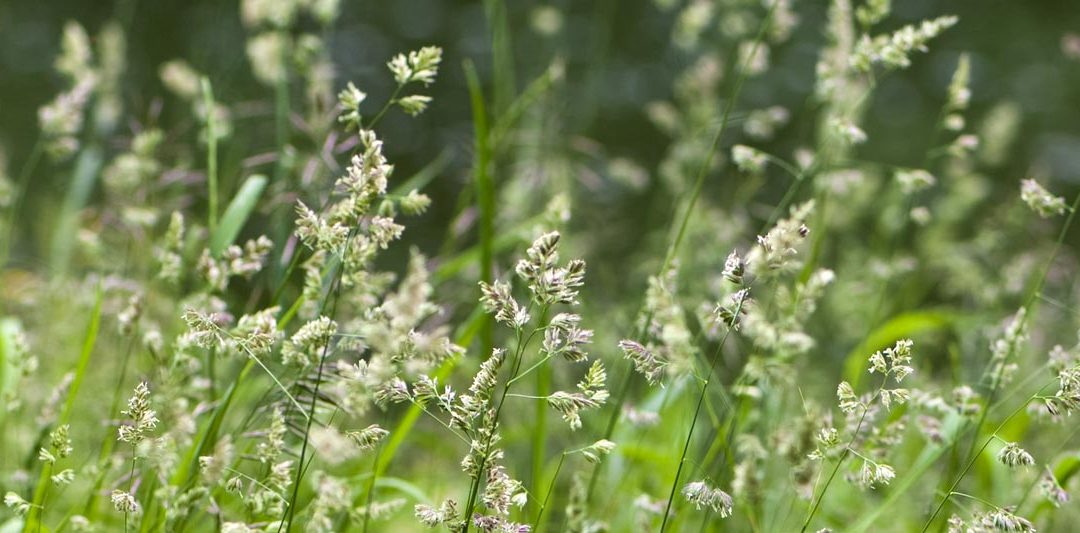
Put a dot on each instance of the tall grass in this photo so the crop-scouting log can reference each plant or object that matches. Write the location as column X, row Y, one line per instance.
column 276, row 310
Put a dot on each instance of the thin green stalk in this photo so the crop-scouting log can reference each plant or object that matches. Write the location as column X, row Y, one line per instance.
column 697, row 412
column 519, row 354
column 17, row 198
column 547, row 496
column 108, row 443
column 83, row 177
column 485, row 193
column 386, row 107
column 840, row 461
column 970, row 463
column 502, row 54
column 484, row 184
column 539, row 430
column 281, row 114
column 729, row 106
column 253, row 357
column 211, row 154
column 211, row 373
column 89, row 340
column 1028, row 307
column 371, row 486
column 334, row 293
column 976, row 499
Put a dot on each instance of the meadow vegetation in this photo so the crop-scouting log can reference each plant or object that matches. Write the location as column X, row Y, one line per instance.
column 805, row 329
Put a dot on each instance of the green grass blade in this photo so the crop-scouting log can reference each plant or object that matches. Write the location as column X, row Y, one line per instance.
column 485, row 191
column 532, row 93
column 502, row 54
column 237, row 214
column 1066, row 468
column 211, row 154
column 425, row 175
column 401, row 431
column 899, row 327
column 87, row 169
column 8, row 328
column 33, row 519
column 84, row 356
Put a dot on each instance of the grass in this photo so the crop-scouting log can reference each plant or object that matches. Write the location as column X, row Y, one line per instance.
column 547, row 290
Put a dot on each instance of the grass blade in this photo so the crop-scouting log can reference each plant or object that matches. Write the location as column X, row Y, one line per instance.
column 211, row 154
column 87, row 168
column 902, row 326
column 33, row 519
column 237, row 214
column 485, row 191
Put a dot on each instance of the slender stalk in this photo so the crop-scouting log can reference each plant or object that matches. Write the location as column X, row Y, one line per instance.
column 695, row 193
column 1029, row 304
column 697, row 412
column 840, row 461
column 975, row 498
column 386, row 107
column 495, row 12
column 484, row 183
column 333, row 294
column 474, row 489
column 543, row 388
column 108, row 443
column 211, row 373
column 371, row 486
column 17, row 198
column 131, row 480
column 211, row 154
column 539, row 430
column 251, row 355
column 970, row 463
column 281, row 113
column 547, row 496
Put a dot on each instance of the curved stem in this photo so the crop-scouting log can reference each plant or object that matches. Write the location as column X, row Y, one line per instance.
column 530, row 369
column 975, row 498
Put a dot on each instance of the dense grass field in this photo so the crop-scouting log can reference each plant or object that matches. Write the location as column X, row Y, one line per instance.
column 642, row 265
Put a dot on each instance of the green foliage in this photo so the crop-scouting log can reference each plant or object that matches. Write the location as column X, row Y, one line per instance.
column 668, row 265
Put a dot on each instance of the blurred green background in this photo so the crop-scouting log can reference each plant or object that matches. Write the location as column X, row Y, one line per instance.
column 618, row 57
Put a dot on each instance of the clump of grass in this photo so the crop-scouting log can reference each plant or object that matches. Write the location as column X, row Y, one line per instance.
column 290, row 362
